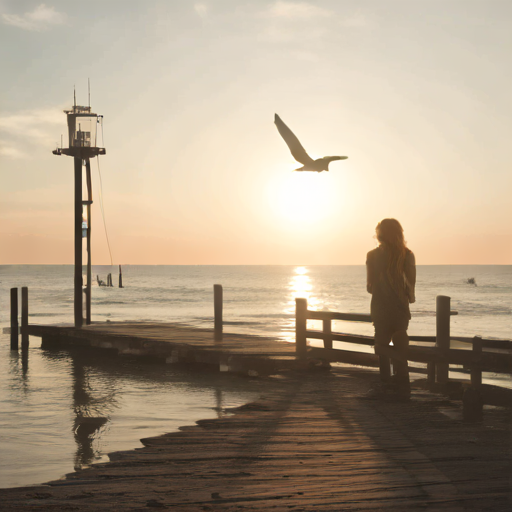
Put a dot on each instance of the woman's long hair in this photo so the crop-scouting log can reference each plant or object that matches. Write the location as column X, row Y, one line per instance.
column 390, row 235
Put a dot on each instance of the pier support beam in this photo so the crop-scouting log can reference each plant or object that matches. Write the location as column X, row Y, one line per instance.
column 78, row 304
column 89, row 234
column 24, row 318
column 217, row 307
column 14, row 319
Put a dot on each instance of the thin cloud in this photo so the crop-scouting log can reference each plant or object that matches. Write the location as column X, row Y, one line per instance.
column 31, row 124
column 305, row 23
column 201, row 9
column 41, row 18
column 8, row 150
column 293, row 21
column 28, row 128
column 294, row 10
column 357, row 20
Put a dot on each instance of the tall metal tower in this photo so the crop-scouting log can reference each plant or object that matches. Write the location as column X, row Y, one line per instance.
column 82, row 130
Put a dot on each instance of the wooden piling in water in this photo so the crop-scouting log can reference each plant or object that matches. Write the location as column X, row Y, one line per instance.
column 14, row 319
column 88, row 296
column 217, row 307
column 120, row 277
column 442, row 337
column 24, row 318
column 78, row 305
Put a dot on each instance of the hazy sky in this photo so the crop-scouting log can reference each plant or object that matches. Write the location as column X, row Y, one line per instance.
column 416, row 92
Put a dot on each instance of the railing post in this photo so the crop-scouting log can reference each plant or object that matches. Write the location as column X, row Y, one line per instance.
column 14, row 319
column 472, row 403
column 24, row 318
column 301, row 318
column 443, row 336
column 476, row 368
column 217, row 307
column 327, row 332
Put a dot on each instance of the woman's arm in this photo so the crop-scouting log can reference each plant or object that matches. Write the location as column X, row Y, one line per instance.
column 410, row 276
column 369, row 274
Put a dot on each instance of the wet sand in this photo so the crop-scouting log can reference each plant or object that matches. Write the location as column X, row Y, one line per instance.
column 312, row 442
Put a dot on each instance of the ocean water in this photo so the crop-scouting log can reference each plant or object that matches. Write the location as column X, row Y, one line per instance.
column 261, row 299
column 63, row 410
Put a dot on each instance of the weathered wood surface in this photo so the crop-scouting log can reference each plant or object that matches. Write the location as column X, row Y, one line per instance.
column 14, row 319
column 313, row 443
column 175, row 343
column 170, row 333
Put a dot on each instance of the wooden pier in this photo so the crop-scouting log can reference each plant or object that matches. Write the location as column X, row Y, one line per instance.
column 256, row 355
column 173, row 343
column 312, row 442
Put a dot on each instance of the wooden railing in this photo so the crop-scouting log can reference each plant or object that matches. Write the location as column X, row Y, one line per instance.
column 435, row 351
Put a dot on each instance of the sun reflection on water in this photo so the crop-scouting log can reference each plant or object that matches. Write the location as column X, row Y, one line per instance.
column 300, row 286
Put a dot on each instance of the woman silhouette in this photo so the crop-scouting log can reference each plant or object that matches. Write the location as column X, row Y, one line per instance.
column 391, row 278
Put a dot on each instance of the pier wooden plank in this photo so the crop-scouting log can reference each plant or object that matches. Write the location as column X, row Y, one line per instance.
column 170, row 333
column 175, row 343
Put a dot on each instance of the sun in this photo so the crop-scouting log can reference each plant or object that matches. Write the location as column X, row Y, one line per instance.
column 302, row 198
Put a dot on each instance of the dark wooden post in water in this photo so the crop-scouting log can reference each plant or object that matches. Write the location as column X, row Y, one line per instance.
column 14, row 319
column 78, row 305
column 89, row 256
column 24, row 318
column 442, row 336
column 301, row 318
column 120, row 277
column 327, row 329
column 217, row 307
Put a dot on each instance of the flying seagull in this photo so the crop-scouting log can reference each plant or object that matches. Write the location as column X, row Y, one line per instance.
column 299, row 153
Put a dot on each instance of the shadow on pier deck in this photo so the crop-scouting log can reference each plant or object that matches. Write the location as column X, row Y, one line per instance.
column 310, row 444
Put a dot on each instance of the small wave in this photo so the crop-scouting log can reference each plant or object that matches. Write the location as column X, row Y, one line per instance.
column 42, row 314
column 418, row 314
column 234, row 322
column 169, row 300
column 272, row 315
column 108, row 302
column 475, row 309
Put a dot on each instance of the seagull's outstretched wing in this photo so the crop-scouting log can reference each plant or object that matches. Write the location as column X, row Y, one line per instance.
column 298, row 152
